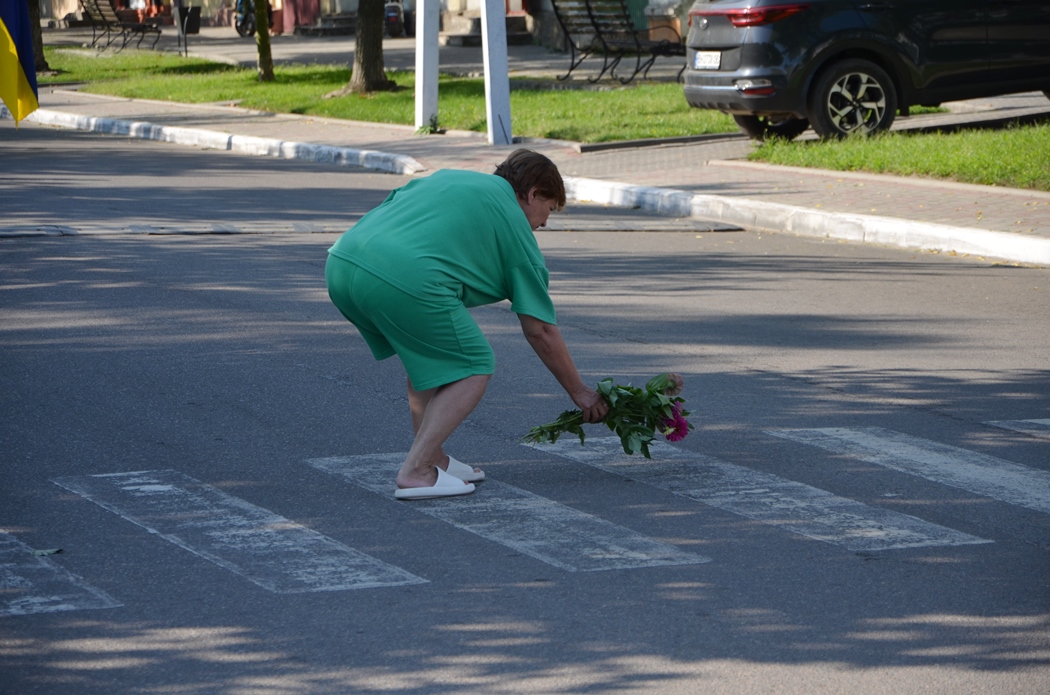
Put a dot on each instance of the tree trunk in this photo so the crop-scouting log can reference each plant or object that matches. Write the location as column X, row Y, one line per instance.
column 262, row 40
column 369, row 74
column 38, row 37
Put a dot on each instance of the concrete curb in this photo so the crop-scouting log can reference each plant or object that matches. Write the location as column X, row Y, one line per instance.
column 751, row 214
column 241, row 144
column 754, row 214
column 915, row 181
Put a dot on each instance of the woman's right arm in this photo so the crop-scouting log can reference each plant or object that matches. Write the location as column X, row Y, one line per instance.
column 550, row 347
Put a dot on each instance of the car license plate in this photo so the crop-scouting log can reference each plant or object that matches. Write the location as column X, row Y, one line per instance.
column 707, row 60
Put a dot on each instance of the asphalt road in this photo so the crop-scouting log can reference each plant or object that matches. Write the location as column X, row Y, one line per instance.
column 212, row 448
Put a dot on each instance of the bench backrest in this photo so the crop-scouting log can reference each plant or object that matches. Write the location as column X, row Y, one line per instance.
column 606, row 22
column 104, row 10
column 91, row 11
column 575, row 20
column 108, row 11
column 614, row 25
column 611, row 17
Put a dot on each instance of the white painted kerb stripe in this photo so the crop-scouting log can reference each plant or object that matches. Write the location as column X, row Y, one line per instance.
column 1036, row 428
column 532, row 525
column 241, row 144
column 30, row 584
column 760, row 214
column 767, row 498
column 967, row 470
column 267, row 549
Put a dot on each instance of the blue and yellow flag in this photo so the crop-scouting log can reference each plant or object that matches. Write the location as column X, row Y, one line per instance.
column 17, row 65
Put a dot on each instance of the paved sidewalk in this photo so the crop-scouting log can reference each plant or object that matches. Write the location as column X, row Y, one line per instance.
column 709, row 179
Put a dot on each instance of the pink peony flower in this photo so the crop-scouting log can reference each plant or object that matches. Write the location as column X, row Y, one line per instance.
column 677, row 384
column 678, row 434
column 676, row 427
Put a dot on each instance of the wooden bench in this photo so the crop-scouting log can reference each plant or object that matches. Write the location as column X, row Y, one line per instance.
column 105, row 24
column 605, row 27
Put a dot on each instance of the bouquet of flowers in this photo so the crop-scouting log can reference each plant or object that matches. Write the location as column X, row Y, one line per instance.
column 635, row 415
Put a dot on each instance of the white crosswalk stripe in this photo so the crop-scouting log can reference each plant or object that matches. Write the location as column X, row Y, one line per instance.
column 532, row 525
column 285, row 557
column 267, row 549
column 1036, row 428
column 31, row 584
column 948, row 465
column 764, row 497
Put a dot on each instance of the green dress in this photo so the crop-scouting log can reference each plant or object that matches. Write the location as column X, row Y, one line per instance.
column 407, row 272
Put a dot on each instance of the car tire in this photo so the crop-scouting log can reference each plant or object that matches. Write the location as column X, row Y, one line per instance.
column 763, row 128
column 852, row 96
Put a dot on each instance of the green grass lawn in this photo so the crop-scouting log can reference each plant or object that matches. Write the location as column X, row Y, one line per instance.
column 645, row 110
column 1016, row 157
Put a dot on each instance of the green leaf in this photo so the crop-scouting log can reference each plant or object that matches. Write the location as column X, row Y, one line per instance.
column 635, row 415
column 579, row 432
column 659, row 383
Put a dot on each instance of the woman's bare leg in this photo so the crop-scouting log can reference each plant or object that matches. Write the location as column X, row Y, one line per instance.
column 436, row 413
column 417, row 404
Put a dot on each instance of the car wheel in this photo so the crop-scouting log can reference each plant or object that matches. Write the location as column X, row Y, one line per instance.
column 762, row 128
column 852, row 96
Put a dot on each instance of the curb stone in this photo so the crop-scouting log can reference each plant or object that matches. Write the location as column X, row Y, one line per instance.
column 776, row 217
column 241, row 144
column 751, row 214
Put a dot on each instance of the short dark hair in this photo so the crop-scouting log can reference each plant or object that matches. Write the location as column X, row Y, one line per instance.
column 524, row 169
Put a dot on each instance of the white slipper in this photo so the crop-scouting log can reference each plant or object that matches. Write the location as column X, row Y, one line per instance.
column 446, row 486
column 464, row 472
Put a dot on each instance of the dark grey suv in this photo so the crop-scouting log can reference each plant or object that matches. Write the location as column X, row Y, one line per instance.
column 848, row 66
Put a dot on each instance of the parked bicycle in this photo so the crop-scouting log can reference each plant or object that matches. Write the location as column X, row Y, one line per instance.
column 245, row 22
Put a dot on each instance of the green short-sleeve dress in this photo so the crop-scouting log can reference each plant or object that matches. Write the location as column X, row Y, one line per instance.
column 407, row 272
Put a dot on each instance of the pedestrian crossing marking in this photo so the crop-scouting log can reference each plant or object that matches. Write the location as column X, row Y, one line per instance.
column 31, row 584
column 974, row 472
column 527, row 523
column 265, row 548
column 1036, row 428
column 770, row 499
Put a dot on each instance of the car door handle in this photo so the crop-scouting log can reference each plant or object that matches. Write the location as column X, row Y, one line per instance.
column 875, row 6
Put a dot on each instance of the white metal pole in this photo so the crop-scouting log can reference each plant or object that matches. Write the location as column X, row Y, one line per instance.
column 497, row 80
column 428, row 18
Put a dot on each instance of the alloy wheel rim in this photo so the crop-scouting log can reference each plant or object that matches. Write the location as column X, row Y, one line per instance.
column 856, row 103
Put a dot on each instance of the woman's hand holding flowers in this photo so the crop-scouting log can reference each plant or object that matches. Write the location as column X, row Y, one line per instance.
column 635, row 414
column 592, row 405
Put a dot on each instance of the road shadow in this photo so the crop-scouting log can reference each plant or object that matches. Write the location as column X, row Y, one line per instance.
column 196, row 373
